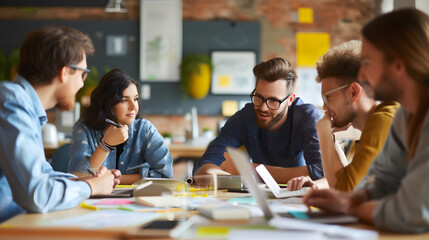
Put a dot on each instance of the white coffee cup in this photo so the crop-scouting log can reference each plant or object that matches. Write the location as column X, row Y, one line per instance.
column 49, row 135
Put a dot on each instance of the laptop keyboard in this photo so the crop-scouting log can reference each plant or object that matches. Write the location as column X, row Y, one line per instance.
column 286, row 193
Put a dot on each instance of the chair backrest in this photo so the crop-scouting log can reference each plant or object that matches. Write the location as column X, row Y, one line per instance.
column 60, row 159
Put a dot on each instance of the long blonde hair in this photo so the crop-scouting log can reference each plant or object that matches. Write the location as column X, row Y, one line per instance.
column 404, row 34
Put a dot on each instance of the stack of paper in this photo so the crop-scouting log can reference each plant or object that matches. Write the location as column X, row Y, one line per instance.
column 224, row 211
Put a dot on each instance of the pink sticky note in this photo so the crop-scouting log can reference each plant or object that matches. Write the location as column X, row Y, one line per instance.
column 114, row 202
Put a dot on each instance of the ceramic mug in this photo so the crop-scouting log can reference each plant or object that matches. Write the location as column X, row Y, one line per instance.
column 49, row 134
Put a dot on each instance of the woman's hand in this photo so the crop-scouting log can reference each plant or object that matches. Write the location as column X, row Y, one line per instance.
column 115, row 136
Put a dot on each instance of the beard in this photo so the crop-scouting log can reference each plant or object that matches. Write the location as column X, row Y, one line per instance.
column 348, row 113
column 66, row 103
column 386, row 90
column 269, row 123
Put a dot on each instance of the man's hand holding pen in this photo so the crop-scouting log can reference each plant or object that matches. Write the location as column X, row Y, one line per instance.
column 115, row 134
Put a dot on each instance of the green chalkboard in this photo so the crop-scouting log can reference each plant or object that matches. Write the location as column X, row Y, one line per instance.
column 166, row 98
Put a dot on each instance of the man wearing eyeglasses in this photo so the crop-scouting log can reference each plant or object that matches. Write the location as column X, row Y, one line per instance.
column 52, row 69
column 396, row 69
column 277, row 129
column 347, row 102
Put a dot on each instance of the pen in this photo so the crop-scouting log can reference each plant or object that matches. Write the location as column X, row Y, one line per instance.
column 91, row 172
column 112, row 123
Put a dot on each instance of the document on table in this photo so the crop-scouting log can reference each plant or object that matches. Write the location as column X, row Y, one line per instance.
column 250, row 234
column 103, row 219
column 333, row 231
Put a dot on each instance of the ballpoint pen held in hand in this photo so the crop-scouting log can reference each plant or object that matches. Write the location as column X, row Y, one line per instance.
column 93, row 174
column 112, row 123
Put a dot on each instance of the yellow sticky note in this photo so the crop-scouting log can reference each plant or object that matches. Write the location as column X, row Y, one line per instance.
column 212, row 231
column 224, row 81
column 229, row 108
column 305, row 15
column 309, row 47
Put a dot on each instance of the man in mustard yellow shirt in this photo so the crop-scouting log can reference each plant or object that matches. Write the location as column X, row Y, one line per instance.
column 347, row 102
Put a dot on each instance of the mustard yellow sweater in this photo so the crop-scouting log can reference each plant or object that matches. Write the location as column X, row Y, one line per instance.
column 371, row 142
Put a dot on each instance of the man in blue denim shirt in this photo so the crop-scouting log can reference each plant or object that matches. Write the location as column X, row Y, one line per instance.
column 276, row 129
column 52, row 69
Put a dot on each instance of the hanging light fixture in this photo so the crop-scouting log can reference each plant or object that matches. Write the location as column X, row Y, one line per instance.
column 116, row 6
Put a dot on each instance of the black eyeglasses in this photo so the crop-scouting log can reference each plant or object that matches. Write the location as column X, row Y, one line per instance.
column 84, row 73
column 272, row 103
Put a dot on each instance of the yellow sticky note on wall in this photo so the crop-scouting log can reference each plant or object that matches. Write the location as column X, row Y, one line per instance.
column 309, row 47
column 224, row 81
column 229, row 108
column 305, row 15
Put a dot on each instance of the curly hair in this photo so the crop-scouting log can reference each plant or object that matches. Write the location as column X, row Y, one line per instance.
column 107, row 94
column 341, row 62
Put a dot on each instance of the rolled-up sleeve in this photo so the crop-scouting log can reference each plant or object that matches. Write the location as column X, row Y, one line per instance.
column 229, row 136
column 82, row 147
column 310, row 143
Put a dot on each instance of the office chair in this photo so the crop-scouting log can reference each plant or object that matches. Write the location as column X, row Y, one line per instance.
column 60, row 159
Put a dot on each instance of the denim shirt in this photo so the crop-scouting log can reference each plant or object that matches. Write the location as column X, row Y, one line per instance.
column 145, row 151
column 27, row 181
column 294, row 144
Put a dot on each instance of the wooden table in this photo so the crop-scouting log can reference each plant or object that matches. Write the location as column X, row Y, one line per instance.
column 184, row 150
column 177, row 150
column 25, row 226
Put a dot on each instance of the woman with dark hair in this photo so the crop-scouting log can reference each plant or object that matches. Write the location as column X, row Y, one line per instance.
column 128, row 143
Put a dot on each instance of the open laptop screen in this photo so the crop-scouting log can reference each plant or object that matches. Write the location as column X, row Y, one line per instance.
column 250, row 178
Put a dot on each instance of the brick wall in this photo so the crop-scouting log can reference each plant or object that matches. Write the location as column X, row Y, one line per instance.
column 342, row 19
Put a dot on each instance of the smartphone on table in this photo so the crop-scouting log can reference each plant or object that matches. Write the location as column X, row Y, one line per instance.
column 157, row 228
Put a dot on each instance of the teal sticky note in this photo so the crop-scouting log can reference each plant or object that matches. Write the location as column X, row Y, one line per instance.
column 241, row 200
column 299, row 215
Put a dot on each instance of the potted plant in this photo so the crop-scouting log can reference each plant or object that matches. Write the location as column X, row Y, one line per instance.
column 3, row 66
column 91, row 82
column 167, row 138
column 208, row 132
column 13, row 63
column 195, row 71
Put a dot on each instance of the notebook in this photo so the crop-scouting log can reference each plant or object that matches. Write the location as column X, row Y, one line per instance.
column 250, row 178
column 275, row 188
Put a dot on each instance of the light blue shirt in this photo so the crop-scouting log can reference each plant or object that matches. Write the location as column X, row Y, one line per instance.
column 27, row 180
column 145, row 151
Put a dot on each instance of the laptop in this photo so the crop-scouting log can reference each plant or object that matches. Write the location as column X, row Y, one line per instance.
column 275, row 188
column 313, row 223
